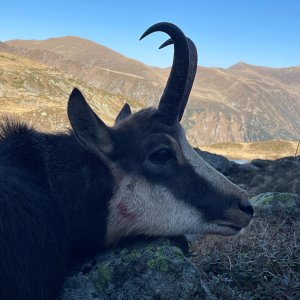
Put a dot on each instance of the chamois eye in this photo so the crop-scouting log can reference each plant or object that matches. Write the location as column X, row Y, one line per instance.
column 161, row 156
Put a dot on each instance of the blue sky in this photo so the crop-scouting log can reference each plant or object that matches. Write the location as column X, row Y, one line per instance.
column 257, row 32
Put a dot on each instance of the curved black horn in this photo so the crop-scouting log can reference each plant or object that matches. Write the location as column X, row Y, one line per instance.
column 192, row 72
column 170, row 102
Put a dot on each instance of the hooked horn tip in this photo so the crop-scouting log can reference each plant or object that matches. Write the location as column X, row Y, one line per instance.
column 147, row 32
column 166, row 43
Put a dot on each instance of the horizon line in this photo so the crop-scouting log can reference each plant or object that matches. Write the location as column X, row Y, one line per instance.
column 239, row 62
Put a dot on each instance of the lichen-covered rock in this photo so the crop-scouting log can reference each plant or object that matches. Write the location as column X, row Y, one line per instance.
column 154, row 269
column 277, row 201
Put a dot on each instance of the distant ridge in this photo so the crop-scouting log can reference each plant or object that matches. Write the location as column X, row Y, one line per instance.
column 240, row 104
column 242, row 65
column 239, row 65
column 85, row 51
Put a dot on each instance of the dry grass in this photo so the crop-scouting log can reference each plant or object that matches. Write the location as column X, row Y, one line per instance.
column 38, row 94
column 258, row 150
column 263, row 263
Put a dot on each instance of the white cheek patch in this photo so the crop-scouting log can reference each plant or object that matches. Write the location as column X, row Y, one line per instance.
column 140, row 207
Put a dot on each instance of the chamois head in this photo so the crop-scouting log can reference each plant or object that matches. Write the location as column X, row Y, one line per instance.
column 163, row 187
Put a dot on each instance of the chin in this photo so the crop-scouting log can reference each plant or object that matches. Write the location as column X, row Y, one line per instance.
column 224, row 230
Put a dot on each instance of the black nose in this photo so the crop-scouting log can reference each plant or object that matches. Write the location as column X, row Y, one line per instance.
column 246, row 207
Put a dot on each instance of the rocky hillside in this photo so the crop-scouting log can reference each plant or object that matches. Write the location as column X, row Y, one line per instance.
column 38, row 94
column 259, row 175
column 242, row 103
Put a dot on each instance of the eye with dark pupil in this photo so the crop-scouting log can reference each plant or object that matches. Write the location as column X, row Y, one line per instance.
column 161, row 156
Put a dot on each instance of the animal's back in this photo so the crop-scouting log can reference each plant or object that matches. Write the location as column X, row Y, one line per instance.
column 29, row 220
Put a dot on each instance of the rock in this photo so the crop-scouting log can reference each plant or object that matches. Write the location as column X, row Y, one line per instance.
column 277, row 201
column 261, row 163
column 219, row 162
column 248, row 167
column 155, row 269
column 261, row 176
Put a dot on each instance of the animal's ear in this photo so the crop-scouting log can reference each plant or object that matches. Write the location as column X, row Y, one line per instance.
column 88, row 128
column 123, row 114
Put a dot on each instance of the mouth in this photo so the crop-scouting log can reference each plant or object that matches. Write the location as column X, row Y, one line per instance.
column 227, row 229
column 233, row 227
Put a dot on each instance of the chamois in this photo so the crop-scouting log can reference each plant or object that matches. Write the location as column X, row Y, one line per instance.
column 66, row 196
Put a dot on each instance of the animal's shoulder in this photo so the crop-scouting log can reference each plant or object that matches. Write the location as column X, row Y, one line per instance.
column 15, row 137
column 31, row 235
column 25, row 199
column 22, row 157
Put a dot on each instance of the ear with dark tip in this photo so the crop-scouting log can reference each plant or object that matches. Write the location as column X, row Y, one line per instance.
column 88, row 128
column 123, row 114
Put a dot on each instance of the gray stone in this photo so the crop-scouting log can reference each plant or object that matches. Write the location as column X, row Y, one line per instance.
column 154, row 269
column 277, row 201
column 219, row 162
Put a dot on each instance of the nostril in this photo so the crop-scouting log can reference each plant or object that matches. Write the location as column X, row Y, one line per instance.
column 246, row 207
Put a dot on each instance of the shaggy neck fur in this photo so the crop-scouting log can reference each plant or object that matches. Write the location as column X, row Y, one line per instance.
column 53, row 198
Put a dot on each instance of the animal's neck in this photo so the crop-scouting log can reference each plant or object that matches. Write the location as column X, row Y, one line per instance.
column 84, row 185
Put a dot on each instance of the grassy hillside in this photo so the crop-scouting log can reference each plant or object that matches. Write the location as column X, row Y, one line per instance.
column 263, row 150
column 38, row 94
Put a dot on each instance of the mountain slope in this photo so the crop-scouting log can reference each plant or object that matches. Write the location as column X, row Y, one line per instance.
column 242, row 103
column 95, row 64
column 87, row 52
column 38, row 94
column 245, row 105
